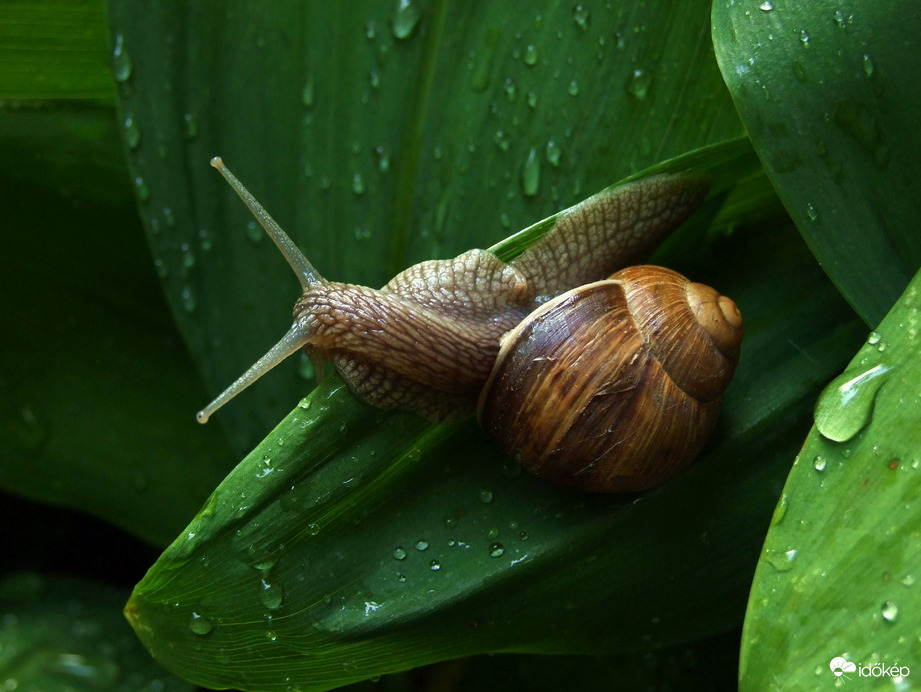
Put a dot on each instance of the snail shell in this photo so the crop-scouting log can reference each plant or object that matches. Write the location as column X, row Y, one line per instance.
column 616, row 385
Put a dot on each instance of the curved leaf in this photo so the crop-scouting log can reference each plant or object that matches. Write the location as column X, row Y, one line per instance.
column 92, row 372
column 354, row 542
column 841, row 560
column 381, row 133
column 832, row 111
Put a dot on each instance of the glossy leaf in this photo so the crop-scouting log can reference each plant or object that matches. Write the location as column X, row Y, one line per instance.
column 824, row 93
column 380, row 134
column 354, row 542
column 839, row 570
column 94, row 382
column 66, row 634
column 54, row 50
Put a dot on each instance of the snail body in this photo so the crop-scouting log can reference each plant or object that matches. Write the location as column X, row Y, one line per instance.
column 604, row 383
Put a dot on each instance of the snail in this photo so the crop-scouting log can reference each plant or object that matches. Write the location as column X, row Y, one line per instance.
column 605, row 383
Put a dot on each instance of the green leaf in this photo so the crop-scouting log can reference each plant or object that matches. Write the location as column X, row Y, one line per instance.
column 840, row 564
column 54, row 50
column 94, row 381
column 381, row 136
column 832, row 111
column 67, row 635
column 354, row 542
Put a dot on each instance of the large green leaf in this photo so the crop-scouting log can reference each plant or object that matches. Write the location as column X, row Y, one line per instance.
column 839, row 568
column 66, row 635
column 380, row 133
column 54, row 50
column 831, row 103
column 354, row 542
column 93, row 378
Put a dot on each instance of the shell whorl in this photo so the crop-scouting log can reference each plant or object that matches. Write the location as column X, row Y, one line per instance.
column 604, row 387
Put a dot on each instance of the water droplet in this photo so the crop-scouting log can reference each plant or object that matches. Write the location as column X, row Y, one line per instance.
column 132, row 132
column 819, row 463
column 573, row 89
column 485, row 496
column 780, row 511
column 874, row 338
column 638, row 84
column 845, row 406
column 580, row 16
column 766, row 6
column 188, row 259
column 140, row 187
column 358, row 184
column 523, row 535
column 434, row 565
column 307, row 92
column 421, row 545
column 799, row 71
column 121, row 60
column 270, row 635
column 191, row 125
column 313, row 529
column 501, row 140
column 531, row 55
column 908, row 580
column 890, row 611
column 553, row 153
column 187, row 298
column 530, row 174
column 399, row 553
column 199, row 624
column 404, row 19
column 271, row 595
column 841, row 20
column 867, row 66
column 532, row 99
column 383, row 158
column 804, row 38
column 782, row 562
column 450, row 522
column 496, row 550
column 812, row 212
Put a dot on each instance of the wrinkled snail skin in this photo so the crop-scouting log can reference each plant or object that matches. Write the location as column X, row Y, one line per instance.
column 616, row 385
column 611, row 363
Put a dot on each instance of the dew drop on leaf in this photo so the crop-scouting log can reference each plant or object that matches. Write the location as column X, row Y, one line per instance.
column 530, row 174
column 404, row 19
column 199, row 624
column 890, row 611
column 271, row 595
column 132, row 132
column 845, row 407
column 121, row 60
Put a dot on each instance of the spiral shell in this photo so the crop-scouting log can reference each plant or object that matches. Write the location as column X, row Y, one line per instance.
column 616, row 385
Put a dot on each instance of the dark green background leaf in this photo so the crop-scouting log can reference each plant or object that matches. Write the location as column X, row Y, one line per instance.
column 827, row 94
column 67, row 635
column 94, row 381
